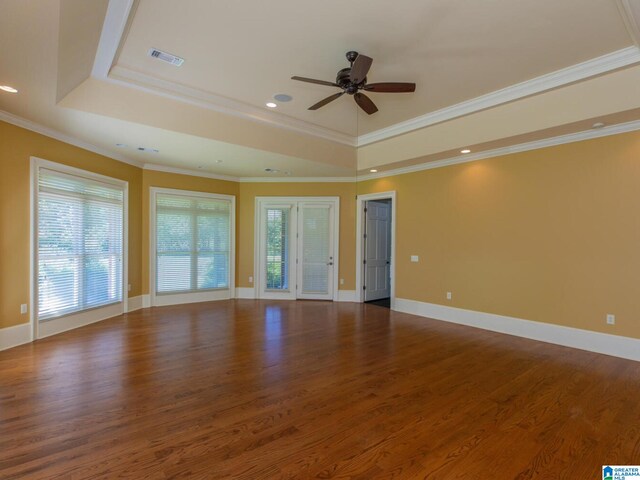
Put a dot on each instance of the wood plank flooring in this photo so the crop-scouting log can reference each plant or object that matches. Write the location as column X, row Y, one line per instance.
column 267, row 390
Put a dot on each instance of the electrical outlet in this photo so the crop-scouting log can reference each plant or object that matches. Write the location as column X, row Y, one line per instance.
column 250, row 279
column 415, row 258
column 611, row 319
column 23, row 308
column 129, row 287
column 342, row 281
column 448, row 295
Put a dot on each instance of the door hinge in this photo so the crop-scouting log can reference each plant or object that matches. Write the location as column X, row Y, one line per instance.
column 364, row 287
column 365, row 209
column 364, row 262
column 365, row 235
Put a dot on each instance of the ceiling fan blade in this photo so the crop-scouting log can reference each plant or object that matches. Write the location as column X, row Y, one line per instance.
column 313, row 80
column 329, row 99
column 390, row 87
column 360, row 68
column 365, row 103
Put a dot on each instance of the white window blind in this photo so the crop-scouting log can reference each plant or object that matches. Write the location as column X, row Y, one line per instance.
column 80, row 243
column 193, row 236
column 277, row 258
column 315, row 249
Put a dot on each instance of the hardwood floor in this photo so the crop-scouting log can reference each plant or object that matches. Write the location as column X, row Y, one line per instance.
column 266, row 389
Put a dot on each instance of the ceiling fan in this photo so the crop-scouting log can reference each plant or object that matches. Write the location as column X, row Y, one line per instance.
column 353, row 79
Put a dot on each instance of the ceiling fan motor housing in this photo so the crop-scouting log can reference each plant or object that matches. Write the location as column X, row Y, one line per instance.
column 345, row 83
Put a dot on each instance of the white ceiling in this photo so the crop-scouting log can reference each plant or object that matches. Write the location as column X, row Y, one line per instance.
column 238, row 54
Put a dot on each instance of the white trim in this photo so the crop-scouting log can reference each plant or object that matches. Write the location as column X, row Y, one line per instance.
column 117, row 17
column 258, row 238
column 77, row 320
column 115, row 22
column 123, row 76
column 630, row 20
column 360, row 240
column 192, row 297
column 83, row 317
column 245, row 292
column 604, row 343
column 347, row 296
column 581, row 71
column 297, row 179
column 135, row 303
column 16, row 335
column 186, row 171
column 497, row 152
column 146, row 300
column 63, row 137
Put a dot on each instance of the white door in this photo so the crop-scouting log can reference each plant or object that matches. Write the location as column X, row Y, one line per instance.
column 377, row 249
column 315, row 251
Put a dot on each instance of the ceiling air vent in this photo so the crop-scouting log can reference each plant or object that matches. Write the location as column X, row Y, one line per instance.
column 166, row 57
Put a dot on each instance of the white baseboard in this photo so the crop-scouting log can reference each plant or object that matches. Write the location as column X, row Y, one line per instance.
column 346, row 295
column 134, row 303
column 244, row 292
column 77, row 320
column 146, row 300
column 13, row 336
column 613, row 345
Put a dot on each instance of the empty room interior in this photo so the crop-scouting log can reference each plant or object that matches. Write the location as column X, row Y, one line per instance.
column 363, row 240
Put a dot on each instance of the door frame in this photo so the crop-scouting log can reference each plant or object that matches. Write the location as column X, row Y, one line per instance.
column 260, row 202
column 360, row 217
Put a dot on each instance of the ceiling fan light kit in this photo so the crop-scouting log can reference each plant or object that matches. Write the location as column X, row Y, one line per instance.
column 353, row 79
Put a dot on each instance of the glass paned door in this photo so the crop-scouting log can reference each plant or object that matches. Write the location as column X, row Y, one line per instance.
column 316, row 262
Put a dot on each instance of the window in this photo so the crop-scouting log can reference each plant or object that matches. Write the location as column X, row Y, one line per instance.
column 193, row 242
column 80, row 238
column 277, row 257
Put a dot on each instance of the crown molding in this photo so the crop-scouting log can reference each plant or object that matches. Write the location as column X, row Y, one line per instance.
column 498, row 152
column 298, row 179
column 581, row 71
column 631, row 22
column 63, row 137
column 129, row 78
column 113, row 27
column 185, row 171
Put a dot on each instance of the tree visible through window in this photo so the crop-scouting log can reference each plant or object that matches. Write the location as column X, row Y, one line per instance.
column 277, row 258
column 192, row 243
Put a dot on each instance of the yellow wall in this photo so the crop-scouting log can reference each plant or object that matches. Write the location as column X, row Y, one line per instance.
column 17, row 145
column 246, row 218
column 151, row 178
column 549, row 235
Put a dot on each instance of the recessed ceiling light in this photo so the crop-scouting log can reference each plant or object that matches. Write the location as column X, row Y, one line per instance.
column 200, row 167
column 218, row 161
column 148, row 150
column 9, row 89
column 466, row 150
column 597, row 125
column 271, row 170
column 121, row 145
column 373, row 170
column 271, row 105
column 283, row 97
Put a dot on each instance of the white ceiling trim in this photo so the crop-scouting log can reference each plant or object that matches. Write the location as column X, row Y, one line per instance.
column 132, row 79
column 630, row 21
column 115, row 22
column 298, row 179
column 63, row 137
column 119, row 11
column 498, row 152
column 581, row 71
column 186, row 171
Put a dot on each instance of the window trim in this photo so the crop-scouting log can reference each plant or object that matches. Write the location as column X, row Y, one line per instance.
column 208, row 295
column 54, row 325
